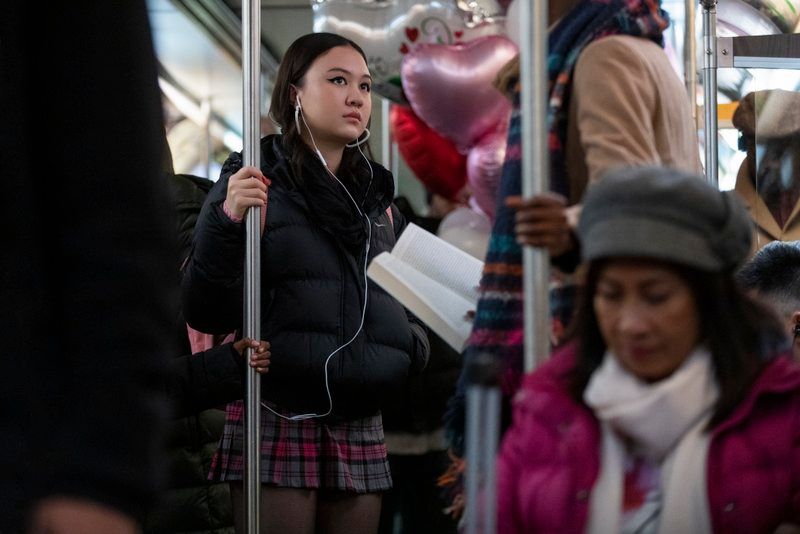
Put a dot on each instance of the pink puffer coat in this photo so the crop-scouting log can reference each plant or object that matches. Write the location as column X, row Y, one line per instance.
column 550, row 457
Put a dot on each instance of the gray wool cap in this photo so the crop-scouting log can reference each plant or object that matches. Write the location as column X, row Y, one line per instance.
column 664, row 214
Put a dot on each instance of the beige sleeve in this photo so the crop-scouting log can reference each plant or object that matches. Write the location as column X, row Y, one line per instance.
column 615, row 98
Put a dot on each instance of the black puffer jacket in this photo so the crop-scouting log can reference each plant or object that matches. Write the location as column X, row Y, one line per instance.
column 188, row 194
column 312, row 296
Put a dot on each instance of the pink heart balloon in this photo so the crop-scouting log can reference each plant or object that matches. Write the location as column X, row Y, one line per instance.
column 484, row 166
column 450, row 87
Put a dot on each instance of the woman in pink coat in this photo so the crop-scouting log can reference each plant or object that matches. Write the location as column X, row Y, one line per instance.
column 674, row 409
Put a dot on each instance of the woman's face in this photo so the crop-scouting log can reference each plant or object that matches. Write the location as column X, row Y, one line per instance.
column 647, row 315
column 335, row 98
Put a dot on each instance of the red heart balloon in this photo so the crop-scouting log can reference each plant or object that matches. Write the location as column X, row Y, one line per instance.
column 450, row 87
column 435, row 161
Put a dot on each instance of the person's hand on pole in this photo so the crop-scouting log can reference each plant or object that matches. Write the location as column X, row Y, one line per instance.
column 247, row 187
column 541, row 221
column 260, row 359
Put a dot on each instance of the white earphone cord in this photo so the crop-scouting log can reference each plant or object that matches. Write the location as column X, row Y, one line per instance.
column 305, row 416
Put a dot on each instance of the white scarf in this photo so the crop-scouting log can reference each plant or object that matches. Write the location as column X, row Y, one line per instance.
column 666, row 423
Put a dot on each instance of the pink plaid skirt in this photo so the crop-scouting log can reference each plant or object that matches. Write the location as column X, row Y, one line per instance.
column 311, row 454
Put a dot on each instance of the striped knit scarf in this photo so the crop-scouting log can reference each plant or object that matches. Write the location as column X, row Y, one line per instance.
column 498, row 328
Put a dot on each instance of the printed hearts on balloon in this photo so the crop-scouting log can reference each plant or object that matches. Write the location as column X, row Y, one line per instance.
column 433, row 159
column 450, row 87
column 388, row 30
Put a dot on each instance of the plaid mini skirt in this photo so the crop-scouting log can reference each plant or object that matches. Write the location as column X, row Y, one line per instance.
column 310, row 454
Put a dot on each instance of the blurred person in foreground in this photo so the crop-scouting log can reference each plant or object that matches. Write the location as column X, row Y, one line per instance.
column 773, row 273
column 86, row 273
column 675, row 407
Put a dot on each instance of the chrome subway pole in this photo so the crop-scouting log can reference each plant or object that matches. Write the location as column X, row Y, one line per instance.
column 710, row 123
column 387, row 153
column 535, row 174
column 482, row 432
column 690, row 56
column 251, row 92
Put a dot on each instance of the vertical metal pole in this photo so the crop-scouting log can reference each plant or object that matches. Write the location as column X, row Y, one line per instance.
column 535, row 173
column 710, row 124
column 482, row 431
column 472, row 478
column 387, row 154
column 205, row 109
column 386, row 134
column 395, row 168
column 690, row 56
column 490, row 437
column 251, row 64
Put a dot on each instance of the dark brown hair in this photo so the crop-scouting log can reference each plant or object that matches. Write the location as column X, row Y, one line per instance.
column 295, row 63
column 741, row 333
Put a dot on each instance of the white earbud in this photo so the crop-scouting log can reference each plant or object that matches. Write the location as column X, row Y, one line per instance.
column 359, row 141
column 297, row 110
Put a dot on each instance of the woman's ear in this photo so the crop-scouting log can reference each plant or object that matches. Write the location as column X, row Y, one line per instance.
column 795, row 324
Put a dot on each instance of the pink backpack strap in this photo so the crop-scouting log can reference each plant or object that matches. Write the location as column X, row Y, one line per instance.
column 236, row 219
column 200, row 341
column 391, row 217
column 267, row 182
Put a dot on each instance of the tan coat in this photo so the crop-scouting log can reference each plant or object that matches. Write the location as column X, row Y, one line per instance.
column 628, row 108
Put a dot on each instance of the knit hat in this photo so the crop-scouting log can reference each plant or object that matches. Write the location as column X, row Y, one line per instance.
column 664, row 214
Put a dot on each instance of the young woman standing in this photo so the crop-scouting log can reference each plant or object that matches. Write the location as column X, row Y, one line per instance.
column 339, row 343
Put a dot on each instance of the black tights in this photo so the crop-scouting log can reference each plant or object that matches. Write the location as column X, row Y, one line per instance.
column 302, row 511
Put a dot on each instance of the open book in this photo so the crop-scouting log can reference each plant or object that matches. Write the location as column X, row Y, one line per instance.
column 437, row 281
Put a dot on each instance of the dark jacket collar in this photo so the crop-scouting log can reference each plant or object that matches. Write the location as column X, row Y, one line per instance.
column 275, row 162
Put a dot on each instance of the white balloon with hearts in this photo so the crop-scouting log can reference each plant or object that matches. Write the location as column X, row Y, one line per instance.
column 387, row 30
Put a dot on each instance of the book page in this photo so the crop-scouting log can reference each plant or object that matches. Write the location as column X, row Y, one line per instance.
column 441, row 261
column 441, row 308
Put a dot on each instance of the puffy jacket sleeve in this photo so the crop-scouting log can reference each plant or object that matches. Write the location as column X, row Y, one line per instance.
column 213, row 282
column 615, row 117
column 421, row 348
column 201, row 381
